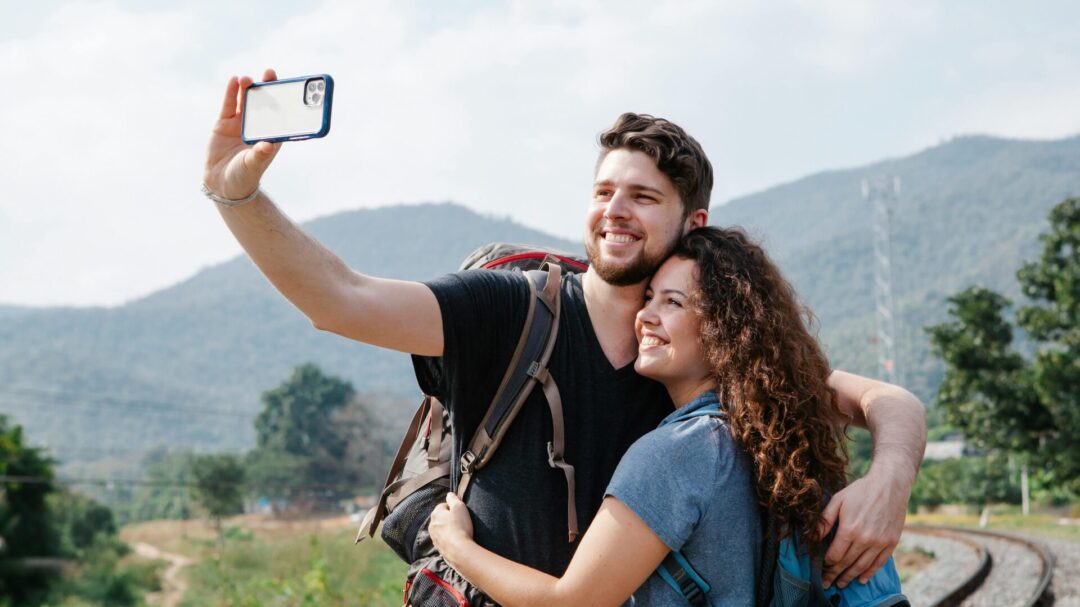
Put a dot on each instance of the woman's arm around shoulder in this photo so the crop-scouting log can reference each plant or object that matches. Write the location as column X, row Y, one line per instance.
column 617, row 554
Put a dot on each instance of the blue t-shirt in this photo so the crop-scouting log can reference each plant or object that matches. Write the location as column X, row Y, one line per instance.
column 692, row 485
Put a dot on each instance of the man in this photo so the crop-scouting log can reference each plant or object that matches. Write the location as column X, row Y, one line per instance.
column 652, row 186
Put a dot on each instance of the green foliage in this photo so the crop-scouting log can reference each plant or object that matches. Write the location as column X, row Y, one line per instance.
column 37, row 520
column 969, row 480
column 219, row 487
column 987, row 391
column 26, row 527
column 295, row 415
column 79, row 520
column 165, row 495
column 307, row 437
column 104, row 578
column 997, row 397
column 100, row 578
column 1053, row 284
column 218, row 483
column 860, row 452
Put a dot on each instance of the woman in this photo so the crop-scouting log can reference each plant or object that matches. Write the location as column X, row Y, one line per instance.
column 719, row 325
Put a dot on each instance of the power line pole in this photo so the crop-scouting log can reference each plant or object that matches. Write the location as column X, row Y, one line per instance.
column 883, row 192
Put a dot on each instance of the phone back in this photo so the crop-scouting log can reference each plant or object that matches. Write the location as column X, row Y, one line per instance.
column 287, row 110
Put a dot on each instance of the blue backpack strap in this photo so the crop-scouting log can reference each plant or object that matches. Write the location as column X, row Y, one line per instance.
column 680, row 575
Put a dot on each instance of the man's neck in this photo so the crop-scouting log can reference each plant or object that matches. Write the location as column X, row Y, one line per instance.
column 612, row 310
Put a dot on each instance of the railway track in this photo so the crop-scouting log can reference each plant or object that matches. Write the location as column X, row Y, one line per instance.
column 979, row 568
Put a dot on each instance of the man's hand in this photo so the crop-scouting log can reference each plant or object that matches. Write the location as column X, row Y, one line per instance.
column 233, row 168
column 871, row 511
column 450, row 525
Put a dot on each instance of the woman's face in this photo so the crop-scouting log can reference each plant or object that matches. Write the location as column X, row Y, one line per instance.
column 668, row 330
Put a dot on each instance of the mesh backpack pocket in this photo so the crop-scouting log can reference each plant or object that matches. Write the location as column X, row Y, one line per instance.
column 402, row 526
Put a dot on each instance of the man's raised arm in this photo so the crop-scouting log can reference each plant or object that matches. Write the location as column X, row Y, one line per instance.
column 872, row 509
column 390, row 313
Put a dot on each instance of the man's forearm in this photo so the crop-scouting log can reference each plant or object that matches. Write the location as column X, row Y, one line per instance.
column 871, row 511
column 895, row 418
column 301, row 268
column 897, row 422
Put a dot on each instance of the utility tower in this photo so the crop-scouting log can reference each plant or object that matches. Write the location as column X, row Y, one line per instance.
column 882, row 192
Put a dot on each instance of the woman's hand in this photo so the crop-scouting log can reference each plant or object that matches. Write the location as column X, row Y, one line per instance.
column 233, row 168
column 450, row 527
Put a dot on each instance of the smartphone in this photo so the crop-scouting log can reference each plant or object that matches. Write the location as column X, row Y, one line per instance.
column 288, row 110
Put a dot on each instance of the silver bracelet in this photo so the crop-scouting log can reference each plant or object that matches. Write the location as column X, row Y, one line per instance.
column 229, row 202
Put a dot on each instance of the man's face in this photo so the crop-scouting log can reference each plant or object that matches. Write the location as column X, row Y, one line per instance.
column 635, row 219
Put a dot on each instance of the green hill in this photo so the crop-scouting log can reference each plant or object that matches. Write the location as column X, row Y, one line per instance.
column 185, row 366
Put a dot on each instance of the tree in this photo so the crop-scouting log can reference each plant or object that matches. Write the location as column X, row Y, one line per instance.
column 219, row 487
column 301, row 443
column 997, row 397
column 1053, row 284
column 26, row 529
column 988, row 390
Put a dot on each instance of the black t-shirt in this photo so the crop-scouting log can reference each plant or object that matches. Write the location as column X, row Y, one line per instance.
column 518, row 502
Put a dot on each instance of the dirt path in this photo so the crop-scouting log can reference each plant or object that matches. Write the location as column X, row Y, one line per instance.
column 173, row 586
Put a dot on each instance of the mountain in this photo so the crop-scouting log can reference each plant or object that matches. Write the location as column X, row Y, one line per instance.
column 185, row 366
column 13, row 311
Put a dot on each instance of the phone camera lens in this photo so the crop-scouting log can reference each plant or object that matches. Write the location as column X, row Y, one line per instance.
column 311, row 87
column 321, row 86
column 315, row 97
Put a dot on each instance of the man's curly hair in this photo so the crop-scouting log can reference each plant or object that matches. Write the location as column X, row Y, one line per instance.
column 771, row 374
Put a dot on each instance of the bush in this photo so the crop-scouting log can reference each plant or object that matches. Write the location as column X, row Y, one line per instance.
column 78, row 520
column 100, row 579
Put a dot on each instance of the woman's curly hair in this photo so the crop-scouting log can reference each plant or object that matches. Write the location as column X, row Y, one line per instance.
column 771, row 374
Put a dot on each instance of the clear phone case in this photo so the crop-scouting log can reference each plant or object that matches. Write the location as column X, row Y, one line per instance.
column 288, row 110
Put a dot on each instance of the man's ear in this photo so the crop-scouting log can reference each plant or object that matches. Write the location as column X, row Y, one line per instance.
column 698, row 218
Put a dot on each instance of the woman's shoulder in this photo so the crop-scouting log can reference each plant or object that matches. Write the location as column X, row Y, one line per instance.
column 704, row 440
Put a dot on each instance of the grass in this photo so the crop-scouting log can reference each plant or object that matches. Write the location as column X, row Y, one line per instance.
column 269, row 563
column 1006, row 518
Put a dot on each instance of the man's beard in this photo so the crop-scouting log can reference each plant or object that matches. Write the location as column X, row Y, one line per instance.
column 636, row 271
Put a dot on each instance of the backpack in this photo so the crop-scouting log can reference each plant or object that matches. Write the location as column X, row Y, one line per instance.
column 420, row 476
column 790, row 575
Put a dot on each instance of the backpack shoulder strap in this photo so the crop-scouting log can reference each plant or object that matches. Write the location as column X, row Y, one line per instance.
column 429, row 407
column 527, row 368
column 681, row 575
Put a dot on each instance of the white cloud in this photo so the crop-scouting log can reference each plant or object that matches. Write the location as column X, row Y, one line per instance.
column 98, row 157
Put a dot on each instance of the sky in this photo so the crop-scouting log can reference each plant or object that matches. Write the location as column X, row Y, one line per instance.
column 495, row 105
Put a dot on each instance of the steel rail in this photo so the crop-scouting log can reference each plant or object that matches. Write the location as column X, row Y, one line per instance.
column 1041, row 596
